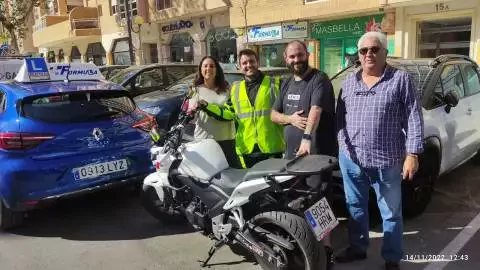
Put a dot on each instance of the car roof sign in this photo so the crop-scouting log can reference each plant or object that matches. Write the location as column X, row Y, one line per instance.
column 37, row 69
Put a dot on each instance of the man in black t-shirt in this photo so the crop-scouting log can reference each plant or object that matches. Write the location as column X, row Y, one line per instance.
column 306, row 106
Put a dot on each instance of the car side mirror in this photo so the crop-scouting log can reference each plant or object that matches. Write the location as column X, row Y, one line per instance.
column 451, row 99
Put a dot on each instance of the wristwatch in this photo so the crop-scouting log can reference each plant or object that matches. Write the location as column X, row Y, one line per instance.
column 307, row 137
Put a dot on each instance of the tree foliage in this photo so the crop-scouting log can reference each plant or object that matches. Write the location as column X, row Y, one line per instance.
column 14, row 16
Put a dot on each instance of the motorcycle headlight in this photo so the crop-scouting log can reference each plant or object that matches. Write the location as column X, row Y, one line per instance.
column 152, row 110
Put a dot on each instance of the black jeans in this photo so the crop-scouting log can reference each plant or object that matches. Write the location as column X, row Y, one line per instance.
column 228, row 147
column 257, row 156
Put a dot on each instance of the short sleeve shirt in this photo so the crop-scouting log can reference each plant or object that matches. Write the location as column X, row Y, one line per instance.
column 313, row 90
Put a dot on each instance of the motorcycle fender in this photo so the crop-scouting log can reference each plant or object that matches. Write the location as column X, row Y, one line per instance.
column 157, row 180
column 241, row 194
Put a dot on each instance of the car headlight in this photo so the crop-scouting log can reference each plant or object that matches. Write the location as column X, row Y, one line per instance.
column 152, row 110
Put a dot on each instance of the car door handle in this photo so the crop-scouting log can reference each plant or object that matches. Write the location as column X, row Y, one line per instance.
column 469, row 111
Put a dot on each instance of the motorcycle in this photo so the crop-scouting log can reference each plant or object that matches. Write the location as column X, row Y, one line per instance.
column 268, row 210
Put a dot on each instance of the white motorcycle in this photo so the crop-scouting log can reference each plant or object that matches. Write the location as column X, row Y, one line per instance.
column 268, row 209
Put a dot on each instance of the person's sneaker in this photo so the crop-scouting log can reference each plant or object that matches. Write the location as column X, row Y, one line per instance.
column 389, row 265
column 330, row 258
column 350, row 255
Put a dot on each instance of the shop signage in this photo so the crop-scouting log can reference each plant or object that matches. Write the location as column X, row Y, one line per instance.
column 261, row 33
column 348, row 27
column 173, row 27
column 295, row 30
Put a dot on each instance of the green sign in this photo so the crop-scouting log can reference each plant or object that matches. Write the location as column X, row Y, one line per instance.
column 356, row 26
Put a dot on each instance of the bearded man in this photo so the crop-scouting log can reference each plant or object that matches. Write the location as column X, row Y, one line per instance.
column 306, row 107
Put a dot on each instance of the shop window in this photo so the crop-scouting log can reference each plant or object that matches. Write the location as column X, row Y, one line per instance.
column 449, row 36
column 51, row 57
column 121, row 52
column 75, row 55
column 164, row 4
column 118, row 7
column 96, row 54
column 222, row 45
column 61, row 56
column 272, row 55
column 153, row 53
column 181, row 48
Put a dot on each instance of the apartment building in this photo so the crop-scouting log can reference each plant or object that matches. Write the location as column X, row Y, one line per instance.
column 170, row 31
column 331, row 28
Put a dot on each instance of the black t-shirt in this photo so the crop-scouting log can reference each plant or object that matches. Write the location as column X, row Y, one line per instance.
column 314, row 90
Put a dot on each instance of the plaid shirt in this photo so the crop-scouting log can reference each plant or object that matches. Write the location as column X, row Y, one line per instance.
column 378, row 126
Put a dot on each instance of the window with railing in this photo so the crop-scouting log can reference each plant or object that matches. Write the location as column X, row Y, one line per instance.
column 164, row 4
column 118, row 8
column 84, row 23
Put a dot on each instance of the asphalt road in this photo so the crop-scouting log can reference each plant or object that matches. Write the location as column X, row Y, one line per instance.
column 110, row 230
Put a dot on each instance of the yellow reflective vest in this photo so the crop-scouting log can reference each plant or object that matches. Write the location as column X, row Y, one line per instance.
column 254, row 123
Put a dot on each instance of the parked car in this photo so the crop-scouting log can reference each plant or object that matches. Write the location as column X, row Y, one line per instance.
column 165, row 105
column 110, row 70
column 148, row 78
column 450, row 90
column 65, row 138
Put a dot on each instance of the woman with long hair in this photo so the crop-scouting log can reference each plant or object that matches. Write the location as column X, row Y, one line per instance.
column 210, row 87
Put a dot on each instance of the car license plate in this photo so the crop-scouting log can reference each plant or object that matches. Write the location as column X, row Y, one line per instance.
column 321, row 218
column 95, row 170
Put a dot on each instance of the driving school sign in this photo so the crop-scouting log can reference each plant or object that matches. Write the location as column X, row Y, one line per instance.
column 356, row 26
column 264, row 33
column 295, row 30
column 174, row 27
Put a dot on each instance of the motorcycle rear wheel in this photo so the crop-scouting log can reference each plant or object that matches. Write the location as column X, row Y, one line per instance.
column 161, row 209
column 309, row 254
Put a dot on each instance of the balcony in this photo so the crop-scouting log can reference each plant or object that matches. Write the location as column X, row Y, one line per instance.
column 189, row 8
column 82, row 23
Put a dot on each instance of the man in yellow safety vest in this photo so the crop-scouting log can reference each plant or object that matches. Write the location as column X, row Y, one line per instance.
column 250, row 104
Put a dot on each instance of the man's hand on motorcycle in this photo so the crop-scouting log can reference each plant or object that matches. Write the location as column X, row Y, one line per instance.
column 305, row 147
column 297, row 120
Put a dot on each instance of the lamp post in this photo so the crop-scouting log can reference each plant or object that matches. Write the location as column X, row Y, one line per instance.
column 139, row 21
column 129, row 30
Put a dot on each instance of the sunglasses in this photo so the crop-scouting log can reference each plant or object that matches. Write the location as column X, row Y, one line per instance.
column 365, row 50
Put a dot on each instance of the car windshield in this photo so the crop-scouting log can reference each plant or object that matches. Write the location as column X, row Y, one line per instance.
column 124, row 74
column 419, row 69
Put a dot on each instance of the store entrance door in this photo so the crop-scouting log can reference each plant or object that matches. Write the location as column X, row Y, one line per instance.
column 337, row 54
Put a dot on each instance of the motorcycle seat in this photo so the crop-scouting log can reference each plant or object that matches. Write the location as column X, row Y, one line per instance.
column 229, row 179
column 266, row 167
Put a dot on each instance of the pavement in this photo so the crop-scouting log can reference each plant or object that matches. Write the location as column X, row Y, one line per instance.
column 110, row 230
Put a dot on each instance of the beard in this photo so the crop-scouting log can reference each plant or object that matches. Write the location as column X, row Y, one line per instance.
column 302, row 67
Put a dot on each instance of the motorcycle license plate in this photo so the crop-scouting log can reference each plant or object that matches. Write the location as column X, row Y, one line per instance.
column 95, row 170
column 321, row 218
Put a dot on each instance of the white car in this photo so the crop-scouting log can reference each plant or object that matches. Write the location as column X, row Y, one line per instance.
column 450, row 86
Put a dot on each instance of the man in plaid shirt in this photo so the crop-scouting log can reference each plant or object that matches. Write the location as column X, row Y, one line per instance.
column 380, row 134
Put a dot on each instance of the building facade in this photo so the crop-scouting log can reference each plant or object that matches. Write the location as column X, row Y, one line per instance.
column 331, row 28
column 189, row 30
column 169, row 31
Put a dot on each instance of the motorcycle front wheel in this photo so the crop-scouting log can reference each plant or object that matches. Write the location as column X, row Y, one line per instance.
column 309, row 254
column 160, row 208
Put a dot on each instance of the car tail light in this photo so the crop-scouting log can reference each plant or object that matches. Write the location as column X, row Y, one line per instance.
column 22, row 141
column 147, row 123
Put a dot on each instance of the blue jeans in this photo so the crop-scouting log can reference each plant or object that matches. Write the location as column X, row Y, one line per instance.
column 388, row 187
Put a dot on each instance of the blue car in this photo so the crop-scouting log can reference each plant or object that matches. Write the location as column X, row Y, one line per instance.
column 60, row 138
